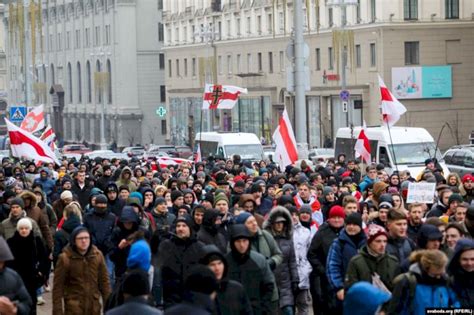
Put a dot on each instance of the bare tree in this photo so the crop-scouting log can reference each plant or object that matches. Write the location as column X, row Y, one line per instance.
column 151, row 134
column 455, row 129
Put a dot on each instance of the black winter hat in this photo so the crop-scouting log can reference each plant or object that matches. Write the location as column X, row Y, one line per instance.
column 175, row 194
column 285, row 199
column 185, row 219
column 428, row 232
column 7, row 194
column 255, row 188
column 136, row 283
column 238, row 231
column 101, row 198
column 159, row 201
column 470, row 213
column 354, row 218
column 201, row 279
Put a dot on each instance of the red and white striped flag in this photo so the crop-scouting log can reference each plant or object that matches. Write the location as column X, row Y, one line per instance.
column 362, row 146
column 34, row 120
column 392, row 109
column 48, row 136
column 198, row 157
column 165, row 161
column 221, row 96
column 286, row 152
column 25, row 144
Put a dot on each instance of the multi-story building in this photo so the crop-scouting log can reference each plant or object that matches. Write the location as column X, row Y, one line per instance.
column 399, row 39
column 3, row 75
column 88, row 55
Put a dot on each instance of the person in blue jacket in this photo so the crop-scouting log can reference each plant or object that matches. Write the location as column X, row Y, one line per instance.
column 425, row 285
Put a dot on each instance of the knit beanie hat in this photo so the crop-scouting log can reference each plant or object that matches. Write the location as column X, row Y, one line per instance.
column 354, row 218
column 306, row 209
column 327, row 190
column 18, row 201
column 220, row 197
column 242, row 217
column 175, row 194
column 455, row 197
column 374, row 231
column 25, row 222
column 337, row 211
column 100, row 199
column 66, row 195
column 139, row 256
column 136, row 283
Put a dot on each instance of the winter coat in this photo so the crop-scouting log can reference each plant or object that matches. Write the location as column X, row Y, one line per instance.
column 462, row 281
column 101, row 226
column 319, row 248
column 103, row 182
column 61, row 237
column 437, row 210
column 366, row 182
column 301, row 242
column 134, row 305
column 340, row 253
column 412, row 231
column 126, row 182
column 400, row 248
column 209, row 231
column 265, row 206
column 364, row 265
column 12, row 287
column 286, row 273
column 47, row 184
column 34, row 212
column 195, row 303
column 81, row 193
column 8, row 226
column 80, row 281
column 253, row 272
column 58, row 207
column 427, row 293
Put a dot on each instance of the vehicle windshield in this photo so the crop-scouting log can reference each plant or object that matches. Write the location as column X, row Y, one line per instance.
column 415, row 153
column 248, row 151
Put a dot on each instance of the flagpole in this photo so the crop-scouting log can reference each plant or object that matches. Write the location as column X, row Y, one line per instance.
column 393, row 150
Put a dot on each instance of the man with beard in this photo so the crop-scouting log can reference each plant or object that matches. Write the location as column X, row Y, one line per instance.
column 197, row 189
column 415, row 216
column 237, row 191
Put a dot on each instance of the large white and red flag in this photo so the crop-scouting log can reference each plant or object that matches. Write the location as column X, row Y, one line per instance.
column 221, row 96
column 392, row 109
column 25, row 144
column 34, row 120
column 165, row 161
column 362, row 146
column 286, row 152
column 48, row 136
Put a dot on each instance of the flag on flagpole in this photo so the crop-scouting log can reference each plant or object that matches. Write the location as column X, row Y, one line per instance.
column 221, row 96
column 48, row 136
column 392, row 109
column 286, row 152
column 34, row 120
column 198, row 157
column 362, row 146
column 25, row 144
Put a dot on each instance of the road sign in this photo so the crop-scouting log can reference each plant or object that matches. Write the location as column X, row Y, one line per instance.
column 161, row 111
column 344, row 95
column 290, row 51
column 17, row 114
column 344, row 107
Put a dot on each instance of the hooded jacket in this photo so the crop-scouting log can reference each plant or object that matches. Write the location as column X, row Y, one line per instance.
column 48, row 184
column 462, row 281
column 127, row 182
column 209, row 231
column 286, row 273
column 34, row 212
column 114, row 206
column 101, row 226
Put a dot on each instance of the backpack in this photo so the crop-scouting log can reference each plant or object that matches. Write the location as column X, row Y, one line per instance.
column 412, row 282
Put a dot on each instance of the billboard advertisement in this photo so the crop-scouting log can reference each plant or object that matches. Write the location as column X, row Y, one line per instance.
column 422, row 82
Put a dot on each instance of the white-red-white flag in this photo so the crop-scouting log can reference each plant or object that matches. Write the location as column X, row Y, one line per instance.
column 34, row 120
column 221, row 96
column 362, row 146
column 392, row 109
column 198, row 157
column 48, row 136
column 165, row 161
column 25, row 144
column 286, row 152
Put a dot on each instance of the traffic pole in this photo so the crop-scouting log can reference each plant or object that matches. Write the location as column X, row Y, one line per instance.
column 300, row 98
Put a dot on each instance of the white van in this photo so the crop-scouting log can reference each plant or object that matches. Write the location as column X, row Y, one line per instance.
column 411, row 147
column 227, row 144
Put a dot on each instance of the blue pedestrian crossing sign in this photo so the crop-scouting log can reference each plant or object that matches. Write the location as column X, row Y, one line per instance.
column 17, row 114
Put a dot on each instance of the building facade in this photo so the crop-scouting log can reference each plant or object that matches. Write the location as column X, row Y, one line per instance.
column 88, row 55
column 248, row 48
column 3, row 75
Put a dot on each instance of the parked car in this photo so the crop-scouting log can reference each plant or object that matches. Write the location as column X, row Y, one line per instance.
column 154, row 154
column 76, row 148
column 460, row 159
column 169, row 149
column 109, row 154
column 320, row 155
column 134, row 151
column 184, row 152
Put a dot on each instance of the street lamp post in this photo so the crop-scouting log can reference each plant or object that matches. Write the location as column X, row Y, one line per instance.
column 101, row 81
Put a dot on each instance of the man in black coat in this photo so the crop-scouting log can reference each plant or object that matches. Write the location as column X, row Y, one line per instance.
column 81, row 189
column 175, row 257
column 251, row 269
column 114, row 203
column 209, row 231
column 14, row 298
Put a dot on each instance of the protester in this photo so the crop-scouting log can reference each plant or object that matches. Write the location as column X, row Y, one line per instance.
column 461, row 270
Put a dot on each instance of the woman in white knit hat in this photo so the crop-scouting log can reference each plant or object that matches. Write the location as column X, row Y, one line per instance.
column 30, row 258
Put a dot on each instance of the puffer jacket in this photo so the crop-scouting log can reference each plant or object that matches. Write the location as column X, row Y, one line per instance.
column 366, row 182
column 462, row 281
column 76, row 274
column 302, row 242
column 101, row 226
column 286, row 273
column 401, row 248
column 340, row 253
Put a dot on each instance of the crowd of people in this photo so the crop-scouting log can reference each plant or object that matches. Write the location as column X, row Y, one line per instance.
column 232, row 237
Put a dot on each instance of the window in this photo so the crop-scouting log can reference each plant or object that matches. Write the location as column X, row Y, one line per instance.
column 162, row 61
column 229, row 64
column 410, row 9
column 219, row 30
column 358, row 56
column 97, row 36
column 68, row 40
column 259, row 24
column 163, row 127
column 372, row 10
column 452, row 9
column 193, row 33
column 412, row 53
column 176, row 34
column 170, row 71
column 358, row 19
column 160, row 4
column 281, row 21
column 194, row 67
column 330, row 17
column 109, row 83
column 229, row 30
column 60, row 44
column 219, row 64
column 239, row 64
column 318, row 59
column 177, row 68
column 162, row 93
column 69, row 82
column 53, row 78
column 270, row 23
column 270, row 62
column 259, row 60
column 249, row 62
column 237, row 26
column 88, row 37
column 98, row 91
column 89, row 82
column 248, row 25
column 282, row 61
column 78, row 38
column 185, row 33
column 107, row 35
column 373, row 55
column 51, row 42
column 330, row 58
column 79, row 83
